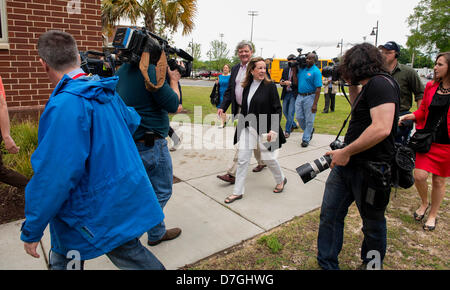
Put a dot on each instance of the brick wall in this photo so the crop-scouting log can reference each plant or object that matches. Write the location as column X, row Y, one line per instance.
column 26, row 83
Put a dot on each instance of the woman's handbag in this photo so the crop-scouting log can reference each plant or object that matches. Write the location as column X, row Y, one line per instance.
column 215, row 96
column 421, row 141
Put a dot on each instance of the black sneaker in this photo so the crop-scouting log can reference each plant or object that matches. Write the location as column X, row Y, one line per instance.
column 305, row 144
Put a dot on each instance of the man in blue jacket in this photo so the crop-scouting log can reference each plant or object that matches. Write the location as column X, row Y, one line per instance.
column 89, row 183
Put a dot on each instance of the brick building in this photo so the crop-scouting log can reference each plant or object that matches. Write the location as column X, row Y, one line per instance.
column 22, row 22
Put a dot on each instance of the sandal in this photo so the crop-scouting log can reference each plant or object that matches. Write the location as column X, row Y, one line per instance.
column 280, row 190
column 430, row 228
column 232, row 198
column 418, row 217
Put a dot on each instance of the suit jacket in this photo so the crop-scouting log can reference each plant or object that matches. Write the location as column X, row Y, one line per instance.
column 285, row 76
column 266, row 102
column 229, row 96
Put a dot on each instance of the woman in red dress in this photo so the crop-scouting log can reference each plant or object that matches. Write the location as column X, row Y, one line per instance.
column 433, row 113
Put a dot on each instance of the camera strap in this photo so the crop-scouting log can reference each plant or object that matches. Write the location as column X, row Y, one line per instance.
column 161, row 70
column 351, row 112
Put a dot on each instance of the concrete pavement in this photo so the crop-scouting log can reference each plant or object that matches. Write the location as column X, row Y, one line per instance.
column 209, row 225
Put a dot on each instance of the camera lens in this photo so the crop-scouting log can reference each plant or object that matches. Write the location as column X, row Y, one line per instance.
column 309, row 171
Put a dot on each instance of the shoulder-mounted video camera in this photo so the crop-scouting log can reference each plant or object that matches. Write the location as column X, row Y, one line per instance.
column 129, row 44
column 300, row 60
column 332, row 71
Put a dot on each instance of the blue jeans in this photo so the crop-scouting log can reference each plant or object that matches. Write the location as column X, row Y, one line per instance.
column 345, row 185
column 305, row 117
column 403, row 132
column 289, row 110
column 158, row 164
column 130, row 256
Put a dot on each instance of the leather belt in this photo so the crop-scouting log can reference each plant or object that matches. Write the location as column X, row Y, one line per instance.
column 307, row 94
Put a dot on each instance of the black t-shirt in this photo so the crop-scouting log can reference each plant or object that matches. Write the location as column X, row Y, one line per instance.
column 376, row 92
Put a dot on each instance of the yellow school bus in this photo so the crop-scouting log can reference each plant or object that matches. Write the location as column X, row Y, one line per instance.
column 279, row 64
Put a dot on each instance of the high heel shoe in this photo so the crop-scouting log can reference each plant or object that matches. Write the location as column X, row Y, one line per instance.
column 418, row 217
column 430, row 228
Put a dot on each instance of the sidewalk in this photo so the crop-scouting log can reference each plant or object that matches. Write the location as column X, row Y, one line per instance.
column 209, row 225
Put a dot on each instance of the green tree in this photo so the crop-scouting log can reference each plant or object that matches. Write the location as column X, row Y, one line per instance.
column 218, row 54
column 160, row 16
column 429, row 25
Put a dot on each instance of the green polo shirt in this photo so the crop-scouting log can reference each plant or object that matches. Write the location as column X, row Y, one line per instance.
column 410, row 83
column 152, row 107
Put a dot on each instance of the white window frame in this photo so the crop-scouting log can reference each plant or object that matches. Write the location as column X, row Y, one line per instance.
column 4, row 21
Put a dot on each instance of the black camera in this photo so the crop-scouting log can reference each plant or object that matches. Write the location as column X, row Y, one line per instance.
column 99, row 63
column 129, row 45
column 332, row 71
column 309, row 171
column 300, row 60
column 133, row 42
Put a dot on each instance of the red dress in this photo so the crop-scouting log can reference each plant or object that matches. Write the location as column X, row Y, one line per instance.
column 437, row 160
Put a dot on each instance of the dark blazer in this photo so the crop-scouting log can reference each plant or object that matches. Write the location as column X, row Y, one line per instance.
column 285, row 77
column 265, row 101
column 229, row 96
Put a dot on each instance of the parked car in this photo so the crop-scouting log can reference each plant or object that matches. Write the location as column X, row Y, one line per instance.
column 204, row 74
column 430, row 76
column 215, row 73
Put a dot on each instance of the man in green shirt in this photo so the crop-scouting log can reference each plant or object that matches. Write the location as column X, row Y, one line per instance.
column 153, row 107
column 409, row 83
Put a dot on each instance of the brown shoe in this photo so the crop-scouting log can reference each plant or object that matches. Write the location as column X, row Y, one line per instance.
column 169, row 235
column 227, row 178
column 259, row 168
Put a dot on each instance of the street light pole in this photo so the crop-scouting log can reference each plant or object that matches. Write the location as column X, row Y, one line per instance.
column 341, row 45
column 375, row 32
column 252, row 14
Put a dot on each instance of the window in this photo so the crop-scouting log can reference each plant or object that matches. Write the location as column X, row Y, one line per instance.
column 3, row 25
column 284, row 65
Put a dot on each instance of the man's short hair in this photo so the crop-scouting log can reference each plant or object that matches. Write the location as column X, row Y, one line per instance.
column 58, row 49
column 244, row 43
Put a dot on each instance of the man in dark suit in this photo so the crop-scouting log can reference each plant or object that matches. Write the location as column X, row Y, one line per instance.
column 288, row 95
column 233, row 96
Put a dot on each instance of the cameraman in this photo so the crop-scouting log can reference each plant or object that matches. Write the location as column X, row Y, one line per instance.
column 309, row 88
column 361, row 170
column 153, row 107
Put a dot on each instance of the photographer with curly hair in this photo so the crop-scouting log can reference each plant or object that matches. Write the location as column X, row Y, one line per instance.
column 361, row 171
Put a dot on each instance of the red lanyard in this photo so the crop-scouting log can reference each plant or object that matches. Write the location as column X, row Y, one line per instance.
column 79, row 75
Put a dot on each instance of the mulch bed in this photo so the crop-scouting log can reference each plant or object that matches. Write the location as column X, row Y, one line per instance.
column 12, row 204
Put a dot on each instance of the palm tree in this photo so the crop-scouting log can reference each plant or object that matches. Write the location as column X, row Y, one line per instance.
column 158, row 15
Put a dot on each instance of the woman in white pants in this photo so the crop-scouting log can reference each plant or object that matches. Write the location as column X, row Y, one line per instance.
column 259, row 122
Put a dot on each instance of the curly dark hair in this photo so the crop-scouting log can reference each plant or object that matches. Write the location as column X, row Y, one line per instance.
column 361, row 62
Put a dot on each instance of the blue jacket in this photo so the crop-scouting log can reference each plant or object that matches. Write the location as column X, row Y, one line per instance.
column 89, row 181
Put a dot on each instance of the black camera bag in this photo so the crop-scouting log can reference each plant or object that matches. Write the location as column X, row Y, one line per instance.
column 403, row 166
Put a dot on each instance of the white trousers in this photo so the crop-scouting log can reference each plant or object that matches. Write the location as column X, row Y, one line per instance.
column 249, row 139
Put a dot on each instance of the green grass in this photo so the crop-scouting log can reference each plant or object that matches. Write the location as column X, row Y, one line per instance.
column 324, row 123
column 25, row 135
column 293, row 245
